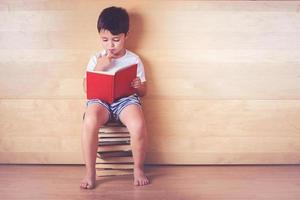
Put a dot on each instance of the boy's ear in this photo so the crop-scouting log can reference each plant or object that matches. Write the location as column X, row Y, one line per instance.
column 126, row 36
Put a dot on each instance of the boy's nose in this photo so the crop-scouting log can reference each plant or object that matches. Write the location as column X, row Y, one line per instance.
column 111, row 44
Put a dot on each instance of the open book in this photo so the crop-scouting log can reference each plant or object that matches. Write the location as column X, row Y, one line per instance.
column 109, row 87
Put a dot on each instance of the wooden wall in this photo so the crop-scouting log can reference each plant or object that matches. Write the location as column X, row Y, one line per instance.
column 223, row 76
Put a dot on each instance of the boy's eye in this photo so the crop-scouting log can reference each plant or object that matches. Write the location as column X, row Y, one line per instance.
column 116, row 39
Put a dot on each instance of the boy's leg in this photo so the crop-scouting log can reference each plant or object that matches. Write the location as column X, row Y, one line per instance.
column 95, row 116
column 133, row 118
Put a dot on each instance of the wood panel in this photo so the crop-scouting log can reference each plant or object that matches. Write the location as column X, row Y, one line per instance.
column 223, row 79
column 212, row 131
column 56, row 79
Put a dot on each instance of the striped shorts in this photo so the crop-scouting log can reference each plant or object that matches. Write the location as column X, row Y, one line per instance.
column 116, row 107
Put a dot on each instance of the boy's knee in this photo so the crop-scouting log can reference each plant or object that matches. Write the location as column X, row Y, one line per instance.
column 95, row 116
column 90, row 120
column 137, row 128
column 95, row 109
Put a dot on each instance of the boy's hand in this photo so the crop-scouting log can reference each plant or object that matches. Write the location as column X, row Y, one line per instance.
column 140, row 87
column 136, row 83
column 104, row 61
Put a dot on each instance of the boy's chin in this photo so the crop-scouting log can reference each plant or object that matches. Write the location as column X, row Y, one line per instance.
column 117, row 54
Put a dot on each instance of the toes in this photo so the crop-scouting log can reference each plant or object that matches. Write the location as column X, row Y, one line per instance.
column 89, row 186
column 87, row 183
column 86, row 186
column 83, row 185
column 136, row 183
column 141, row 182
column 146, row 181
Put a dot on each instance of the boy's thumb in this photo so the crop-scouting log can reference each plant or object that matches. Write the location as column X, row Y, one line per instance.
column 110, row 55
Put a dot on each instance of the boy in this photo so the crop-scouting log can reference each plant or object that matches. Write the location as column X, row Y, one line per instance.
column 113, row 26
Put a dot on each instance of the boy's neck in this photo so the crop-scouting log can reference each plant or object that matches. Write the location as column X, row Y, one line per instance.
column 122, row 53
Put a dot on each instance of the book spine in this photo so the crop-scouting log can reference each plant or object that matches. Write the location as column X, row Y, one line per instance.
column 113, row 89
column 110, row 143
column 109, row 154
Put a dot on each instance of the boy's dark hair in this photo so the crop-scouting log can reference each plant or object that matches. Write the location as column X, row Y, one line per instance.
column 113, row 19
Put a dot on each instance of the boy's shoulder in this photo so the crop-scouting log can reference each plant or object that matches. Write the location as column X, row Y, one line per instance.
column 130, row 53
column 132, row 56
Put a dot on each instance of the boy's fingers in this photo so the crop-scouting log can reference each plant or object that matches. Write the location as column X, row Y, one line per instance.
column 110, row 54
column 106, row 54
column 136, row 83
column 102, row 54
column 133, row 84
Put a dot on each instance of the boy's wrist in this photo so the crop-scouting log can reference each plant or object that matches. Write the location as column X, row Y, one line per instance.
column 141, row 90
column 100, row 68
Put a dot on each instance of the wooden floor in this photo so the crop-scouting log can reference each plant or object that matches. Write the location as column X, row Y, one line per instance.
column 168, row 182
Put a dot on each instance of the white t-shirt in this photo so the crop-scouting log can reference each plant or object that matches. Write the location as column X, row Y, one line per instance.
column 128, row 59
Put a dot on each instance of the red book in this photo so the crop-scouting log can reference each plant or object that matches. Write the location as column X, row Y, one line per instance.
column 110, row 87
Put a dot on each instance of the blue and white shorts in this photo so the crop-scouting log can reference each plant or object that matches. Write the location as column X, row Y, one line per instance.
column 116, row 107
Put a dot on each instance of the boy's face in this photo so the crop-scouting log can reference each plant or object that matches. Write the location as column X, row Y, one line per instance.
column 113, row 44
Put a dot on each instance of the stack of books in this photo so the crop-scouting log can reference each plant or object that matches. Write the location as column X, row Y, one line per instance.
column 114, row 155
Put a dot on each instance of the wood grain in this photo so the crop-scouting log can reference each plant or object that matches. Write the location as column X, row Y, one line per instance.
column 223, row 79
column 167, row 182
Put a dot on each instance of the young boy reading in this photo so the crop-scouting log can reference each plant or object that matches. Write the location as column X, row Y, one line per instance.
column 113, row 26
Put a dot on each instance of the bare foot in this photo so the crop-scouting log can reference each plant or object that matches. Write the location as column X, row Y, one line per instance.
column 89, row 181
column 140, row 178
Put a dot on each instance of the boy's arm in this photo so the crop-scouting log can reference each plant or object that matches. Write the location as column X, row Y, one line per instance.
column 142, row 90
column 141, row 87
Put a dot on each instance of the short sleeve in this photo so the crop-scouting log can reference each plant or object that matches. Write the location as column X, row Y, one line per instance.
column 140, row 70
column 92, row 63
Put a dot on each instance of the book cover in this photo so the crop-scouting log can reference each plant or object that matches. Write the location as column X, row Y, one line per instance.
column 108, row 143
column 114, row 166
column 114, row 159
column 113, row 130
column 110, row 87
column 113, row 139
column 109, row 154
column 113, row 135
column 121, row 147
